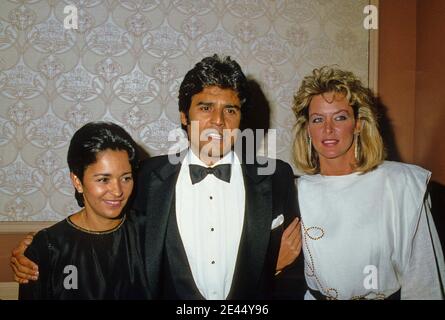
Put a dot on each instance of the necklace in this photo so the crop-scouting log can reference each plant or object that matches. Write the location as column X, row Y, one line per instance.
column 83, row 225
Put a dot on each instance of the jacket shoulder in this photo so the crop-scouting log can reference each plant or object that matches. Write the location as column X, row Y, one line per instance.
column 281, row 167
column 153, row 163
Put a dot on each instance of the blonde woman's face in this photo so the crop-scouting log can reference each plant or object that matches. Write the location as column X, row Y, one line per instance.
column 331, row 127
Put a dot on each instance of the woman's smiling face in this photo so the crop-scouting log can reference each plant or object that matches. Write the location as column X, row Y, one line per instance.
column 107, row 184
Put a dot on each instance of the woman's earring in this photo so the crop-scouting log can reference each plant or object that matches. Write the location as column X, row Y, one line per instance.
column 309, row 149
column 356, row 146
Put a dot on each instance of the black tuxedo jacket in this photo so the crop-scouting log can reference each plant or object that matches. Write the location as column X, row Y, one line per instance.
column 267, row 196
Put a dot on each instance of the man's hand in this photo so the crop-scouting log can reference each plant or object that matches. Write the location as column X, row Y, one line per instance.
column 290, row 247
column 24, row 269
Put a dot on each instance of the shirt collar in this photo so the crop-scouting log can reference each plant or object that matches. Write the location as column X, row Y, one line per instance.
column 193, row 159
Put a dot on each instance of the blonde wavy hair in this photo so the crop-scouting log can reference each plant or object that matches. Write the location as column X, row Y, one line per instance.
column 327, row 79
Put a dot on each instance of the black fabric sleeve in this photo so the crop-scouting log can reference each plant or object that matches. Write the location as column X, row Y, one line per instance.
column 139, row 198
column 291, row 209
column 290, row 283
column 38, row 252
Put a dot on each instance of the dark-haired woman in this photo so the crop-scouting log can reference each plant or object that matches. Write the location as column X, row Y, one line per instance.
column 94, row 253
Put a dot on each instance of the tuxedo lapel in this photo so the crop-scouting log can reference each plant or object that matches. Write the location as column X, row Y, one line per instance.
column 162, row 182
column 256, row 233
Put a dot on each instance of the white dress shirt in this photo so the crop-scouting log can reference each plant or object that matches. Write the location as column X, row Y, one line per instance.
column 210, row 216
column 369, row 235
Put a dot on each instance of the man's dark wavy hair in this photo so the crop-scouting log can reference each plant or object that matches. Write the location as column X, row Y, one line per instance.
column 217, row 71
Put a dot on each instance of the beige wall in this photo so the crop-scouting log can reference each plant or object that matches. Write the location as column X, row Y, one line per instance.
column 125, row 63
column 397, row 73
column 429, row 145
column 411, row 70
column 7, row 242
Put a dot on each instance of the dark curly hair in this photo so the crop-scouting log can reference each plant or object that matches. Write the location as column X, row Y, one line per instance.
column 93, row 138
column 217, row 71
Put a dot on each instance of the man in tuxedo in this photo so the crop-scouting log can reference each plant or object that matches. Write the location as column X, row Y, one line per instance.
column 213, row 222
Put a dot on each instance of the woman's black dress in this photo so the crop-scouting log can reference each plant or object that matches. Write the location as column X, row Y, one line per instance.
column 75, row 263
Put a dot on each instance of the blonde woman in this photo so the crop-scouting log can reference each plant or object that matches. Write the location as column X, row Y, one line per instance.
column 367, row 228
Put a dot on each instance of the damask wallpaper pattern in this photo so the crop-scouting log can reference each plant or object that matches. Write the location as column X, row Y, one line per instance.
column 125, row 62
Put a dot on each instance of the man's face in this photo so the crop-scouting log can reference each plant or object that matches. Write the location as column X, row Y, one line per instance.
column 214, row 111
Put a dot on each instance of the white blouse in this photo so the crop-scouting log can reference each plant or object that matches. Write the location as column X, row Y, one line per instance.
column 367, row 236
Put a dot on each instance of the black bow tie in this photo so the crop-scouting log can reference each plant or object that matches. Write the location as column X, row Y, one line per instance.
column 198, row 173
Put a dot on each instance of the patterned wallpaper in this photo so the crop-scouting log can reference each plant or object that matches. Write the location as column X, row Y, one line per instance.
column 125, row 62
